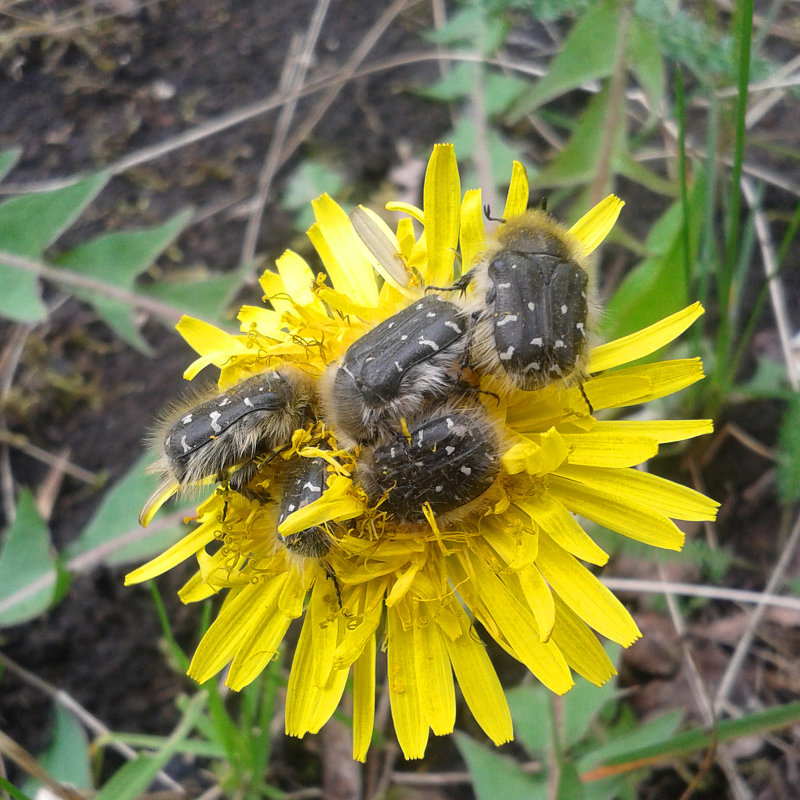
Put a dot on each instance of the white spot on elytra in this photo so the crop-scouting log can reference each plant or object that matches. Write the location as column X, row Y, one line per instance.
column 438, row 488
column 226, row 401
column 248, row 402
column 431, row 315
column 537, row 340
column 420, row 306
column 309, row 485
column 185, row 446
column 564, row 308
column 403, row 337
column 505, row 320
column 506, row 356
column 187, row 419
column 214, row 416
column 503, row 285
column 429, row 343
column 449, row 449
column 398, row 366
column 452, row 325
column 559, row 343
column 531, row 306
column 466, row 470
column 449, row 422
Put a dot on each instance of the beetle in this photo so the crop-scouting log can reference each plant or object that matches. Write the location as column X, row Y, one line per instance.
column 305, row 483
column 393, row 370
column 531, row 307
column 449, row 459
column 225, row 436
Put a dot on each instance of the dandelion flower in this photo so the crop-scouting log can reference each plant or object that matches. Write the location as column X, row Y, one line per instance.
column 515, row 566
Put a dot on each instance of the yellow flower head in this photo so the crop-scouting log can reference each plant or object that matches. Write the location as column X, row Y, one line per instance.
column 513, row 563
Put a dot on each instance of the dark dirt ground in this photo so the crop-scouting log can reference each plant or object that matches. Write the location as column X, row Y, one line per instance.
column 82, row 99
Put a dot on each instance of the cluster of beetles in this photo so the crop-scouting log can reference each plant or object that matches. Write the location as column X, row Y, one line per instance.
column 398, row 397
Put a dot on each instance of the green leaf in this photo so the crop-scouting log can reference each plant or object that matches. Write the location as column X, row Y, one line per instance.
column 500, row 152
column 12, row 790
column 28, row 225
column 581, row 705
column 577, row 163
column 531, row 712
column 643, row 734
column 657, row 287
column 311, row 179
column 28, row 568
column 569, row 782
column 669, row 747
column 206, row 299
column 117, row 259
column 115, row 530
column 67, row 758
column 7, row 160
column 495, row 775
column 645, row 61
column 589, row 53
column 788, row 475
column 131, row 781
column 474, row 27
column 31, row 223
column 20, row 298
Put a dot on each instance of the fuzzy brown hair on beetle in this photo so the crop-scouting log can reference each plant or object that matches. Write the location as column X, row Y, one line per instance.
column 225, row 436
column 531, row 304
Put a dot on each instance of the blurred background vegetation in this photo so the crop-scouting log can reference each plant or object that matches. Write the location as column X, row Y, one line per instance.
column 156, row 156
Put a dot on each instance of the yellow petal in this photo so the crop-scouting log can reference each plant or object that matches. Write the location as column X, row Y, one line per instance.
column 659, row 494
column 630, row 518
column 580, row 646
column 479, row 683
column 539, row 598
column 364, row 700
column 518, row 192
column 662, row 430
column 298, row 279
column 415, row 212
column 177, row 554
column 473, row 232
column 642, row 343
column 357, row 637
column 595, row 225
column 310, row 702
column 537, row 455
column 195, row 590
column 410, row 723
column 613, row 449
column 664, row 377
column 584, row 594
column 268, row 631
column 340, row 250
column 518, row 627
column 442, row 204
column 546, row 512
column 231, row 627
column 336, row 504
column 434, row 674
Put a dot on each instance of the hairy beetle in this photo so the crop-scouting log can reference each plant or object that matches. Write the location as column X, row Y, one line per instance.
column 225, row 436
column 307, row 480
column 449, row 460
column 531, row 305
column 392, row 371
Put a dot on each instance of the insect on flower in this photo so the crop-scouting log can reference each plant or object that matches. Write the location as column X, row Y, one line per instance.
column 224, row 436
column 306, row 482
column 392, row 371
column 531, row 305
column 447, row 461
